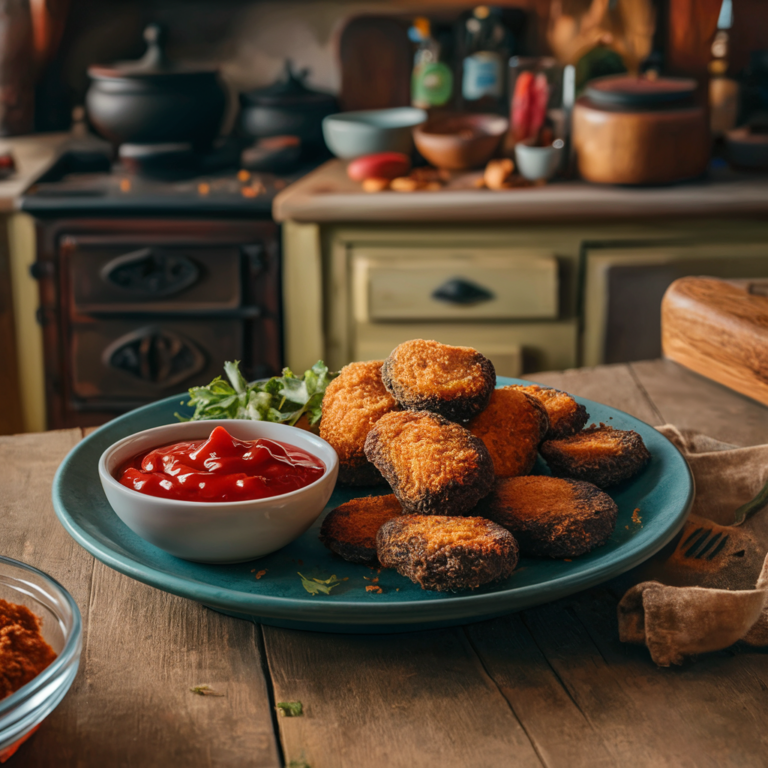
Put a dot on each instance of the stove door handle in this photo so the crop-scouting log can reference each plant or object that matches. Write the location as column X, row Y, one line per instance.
column 148, row 273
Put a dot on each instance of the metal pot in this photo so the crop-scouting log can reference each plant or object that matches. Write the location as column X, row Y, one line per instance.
column 287, row 108
column 152, row 101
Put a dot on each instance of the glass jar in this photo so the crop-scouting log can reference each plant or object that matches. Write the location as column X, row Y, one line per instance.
column 535, row 100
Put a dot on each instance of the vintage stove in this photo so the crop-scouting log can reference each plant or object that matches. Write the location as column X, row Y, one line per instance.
column 154, row 269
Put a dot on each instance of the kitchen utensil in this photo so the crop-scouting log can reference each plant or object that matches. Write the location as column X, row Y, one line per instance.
column 218, row 532
column 663, row 491
column 632, row 130
column 457, row 142
column 720, row 330
column 353, row 134
column 287, row 108
column 23, row 711
column 152, row 101
column 537, row 163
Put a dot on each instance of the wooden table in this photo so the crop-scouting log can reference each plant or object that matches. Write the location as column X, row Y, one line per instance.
column 548, row 686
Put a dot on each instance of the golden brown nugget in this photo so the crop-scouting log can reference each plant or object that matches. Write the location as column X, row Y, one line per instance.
column 456, row 382
column 350, row 529
column 353, row 402
column 511, row 427
column 552, row 517
column 566, row 416
column 433, row 465
column 447, row 553
column 600, row 455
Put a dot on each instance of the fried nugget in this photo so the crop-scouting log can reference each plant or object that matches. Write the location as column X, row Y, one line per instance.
column 511, row 427
column 447, row 553
column 434, row 466
column 600, row 455
column 353, row 402
column 456, row 382
column 552, row 517
column 350, row 529
column 566, row 416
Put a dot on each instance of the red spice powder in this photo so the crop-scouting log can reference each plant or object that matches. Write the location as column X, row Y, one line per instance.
column 23, row 652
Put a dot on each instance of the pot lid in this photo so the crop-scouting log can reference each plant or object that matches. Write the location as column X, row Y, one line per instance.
column 629, row 91
column 153, row 63
column 289, row 90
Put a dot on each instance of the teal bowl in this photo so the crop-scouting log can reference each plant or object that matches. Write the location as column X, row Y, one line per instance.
column 354, row 134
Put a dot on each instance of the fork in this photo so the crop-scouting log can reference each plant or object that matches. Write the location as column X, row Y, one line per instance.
column 705, row 543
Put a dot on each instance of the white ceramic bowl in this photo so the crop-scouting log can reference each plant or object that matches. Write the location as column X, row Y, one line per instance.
column 536, row 163
column 223, row 532
column 354, row 134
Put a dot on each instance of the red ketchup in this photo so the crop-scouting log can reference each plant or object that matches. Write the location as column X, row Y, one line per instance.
column 221, row 468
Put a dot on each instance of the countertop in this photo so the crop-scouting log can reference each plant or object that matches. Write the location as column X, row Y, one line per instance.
column 549, row 686
column 34, row 154
column 327, row 195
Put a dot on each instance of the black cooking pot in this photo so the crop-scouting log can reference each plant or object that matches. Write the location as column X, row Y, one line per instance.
column 152, row 101
column 287, row 108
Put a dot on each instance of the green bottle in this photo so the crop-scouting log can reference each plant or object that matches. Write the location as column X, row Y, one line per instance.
column 432, row 79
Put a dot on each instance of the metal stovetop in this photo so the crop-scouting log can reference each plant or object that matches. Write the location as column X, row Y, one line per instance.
column 86, row 180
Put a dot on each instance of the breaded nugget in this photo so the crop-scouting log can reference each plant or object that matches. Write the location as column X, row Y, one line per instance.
column 350, row 530
column 447, row 553
column 512, row 426
column 353, row 402
column 455, row 382
column 600, row 455
column 434, row 466
column 566, row 416
column 551, row 517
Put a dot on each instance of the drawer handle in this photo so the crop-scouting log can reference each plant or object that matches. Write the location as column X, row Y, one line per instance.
column 147, row 274
column 155, row 356
column 462, row 292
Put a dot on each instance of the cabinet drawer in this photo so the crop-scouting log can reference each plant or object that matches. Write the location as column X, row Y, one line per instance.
column 124, row 360
column 444, row 284
column 514, row 348
column 124, row 276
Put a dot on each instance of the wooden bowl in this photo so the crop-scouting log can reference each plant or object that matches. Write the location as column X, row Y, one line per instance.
column 457, row 142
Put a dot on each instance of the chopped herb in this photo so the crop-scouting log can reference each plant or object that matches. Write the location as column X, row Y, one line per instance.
column 205, row 690
column 318, row 586
column 283, row 399
column 290, row 708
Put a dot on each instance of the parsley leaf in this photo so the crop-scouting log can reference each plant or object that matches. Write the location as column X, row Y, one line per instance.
column 290, row 708
column 320, row 586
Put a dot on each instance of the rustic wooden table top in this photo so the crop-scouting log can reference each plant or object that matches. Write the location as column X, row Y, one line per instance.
column 550, row 686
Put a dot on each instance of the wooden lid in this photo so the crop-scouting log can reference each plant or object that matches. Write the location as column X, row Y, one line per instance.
column 628, row 91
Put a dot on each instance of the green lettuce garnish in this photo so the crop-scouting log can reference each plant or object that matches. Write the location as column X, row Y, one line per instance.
column 283, row 399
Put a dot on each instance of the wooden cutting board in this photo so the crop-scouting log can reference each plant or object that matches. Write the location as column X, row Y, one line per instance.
column 720, row 330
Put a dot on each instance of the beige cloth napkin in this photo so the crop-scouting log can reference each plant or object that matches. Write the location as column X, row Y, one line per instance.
column 694, row 604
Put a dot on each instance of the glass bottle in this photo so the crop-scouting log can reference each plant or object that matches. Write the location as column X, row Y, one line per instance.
column 485, row 51
column 432, row 79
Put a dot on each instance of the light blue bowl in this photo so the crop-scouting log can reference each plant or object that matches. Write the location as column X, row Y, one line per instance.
column 62, row 629
column 354, row 134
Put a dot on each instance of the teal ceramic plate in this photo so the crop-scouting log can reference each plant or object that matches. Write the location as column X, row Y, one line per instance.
column 663, row 493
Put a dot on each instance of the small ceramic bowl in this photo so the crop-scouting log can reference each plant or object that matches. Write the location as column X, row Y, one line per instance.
column 354, row 134
column 537, row 163
column 62, row 628
column 745, row 149
column 221, row 532
column 457, row 142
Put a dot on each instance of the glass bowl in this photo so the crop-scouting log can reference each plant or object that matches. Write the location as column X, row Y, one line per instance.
column 62, row 629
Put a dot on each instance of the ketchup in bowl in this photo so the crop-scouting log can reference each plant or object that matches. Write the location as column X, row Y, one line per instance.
column 221, row 468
